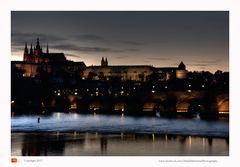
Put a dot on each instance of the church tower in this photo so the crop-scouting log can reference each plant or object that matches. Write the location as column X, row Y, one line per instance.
column 102, row 62
column 106, row 62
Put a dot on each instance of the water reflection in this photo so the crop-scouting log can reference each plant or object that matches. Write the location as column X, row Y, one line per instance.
column 103, row 145
column 35, row 144
column 95, row 144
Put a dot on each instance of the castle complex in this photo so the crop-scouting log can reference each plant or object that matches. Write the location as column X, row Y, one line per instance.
column 133, row 72
column 35, row 58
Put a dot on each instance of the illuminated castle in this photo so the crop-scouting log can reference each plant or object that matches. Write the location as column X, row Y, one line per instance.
column 35, row 58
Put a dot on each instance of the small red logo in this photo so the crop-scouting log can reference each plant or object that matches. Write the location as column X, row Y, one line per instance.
column 14, row 160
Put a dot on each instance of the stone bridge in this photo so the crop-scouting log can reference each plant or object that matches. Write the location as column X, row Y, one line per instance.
column 166, row 103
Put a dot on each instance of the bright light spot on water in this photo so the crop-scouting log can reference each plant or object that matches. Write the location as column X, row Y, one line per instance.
column 166, row 138
column 57, row 115
column 75, row 116
column 121, row 135
column 204, row 142
column 190, row 142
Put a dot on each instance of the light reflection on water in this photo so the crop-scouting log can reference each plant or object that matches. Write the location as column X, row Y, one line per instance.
column 95, row 144
column 63, row 122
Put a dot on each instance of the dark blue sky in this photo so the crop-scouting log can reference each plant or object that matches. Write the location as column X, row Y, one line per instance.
column 200, row 39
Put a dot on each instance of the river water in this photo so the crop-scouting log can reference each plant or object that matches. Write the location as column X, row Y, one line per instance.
column 79, row 134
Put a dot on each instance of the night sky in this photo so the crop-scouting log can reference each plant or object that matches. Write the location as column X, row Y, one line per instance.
column 161, row 39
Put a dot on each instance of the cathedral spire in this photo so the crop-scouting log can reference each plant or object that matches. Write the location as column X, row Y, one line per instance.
column 25, row 54
column 47, row 51
column 38, row 44
column 31, row 50
column 26, row 48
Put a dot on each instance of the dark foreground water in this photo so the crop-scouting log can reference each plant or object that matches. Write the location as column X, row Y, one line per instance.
column 92, row 144
column 77, row 135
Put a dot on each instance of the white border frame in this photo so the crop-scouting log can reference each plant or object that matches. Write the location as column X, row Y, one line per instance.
column 102, row 5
